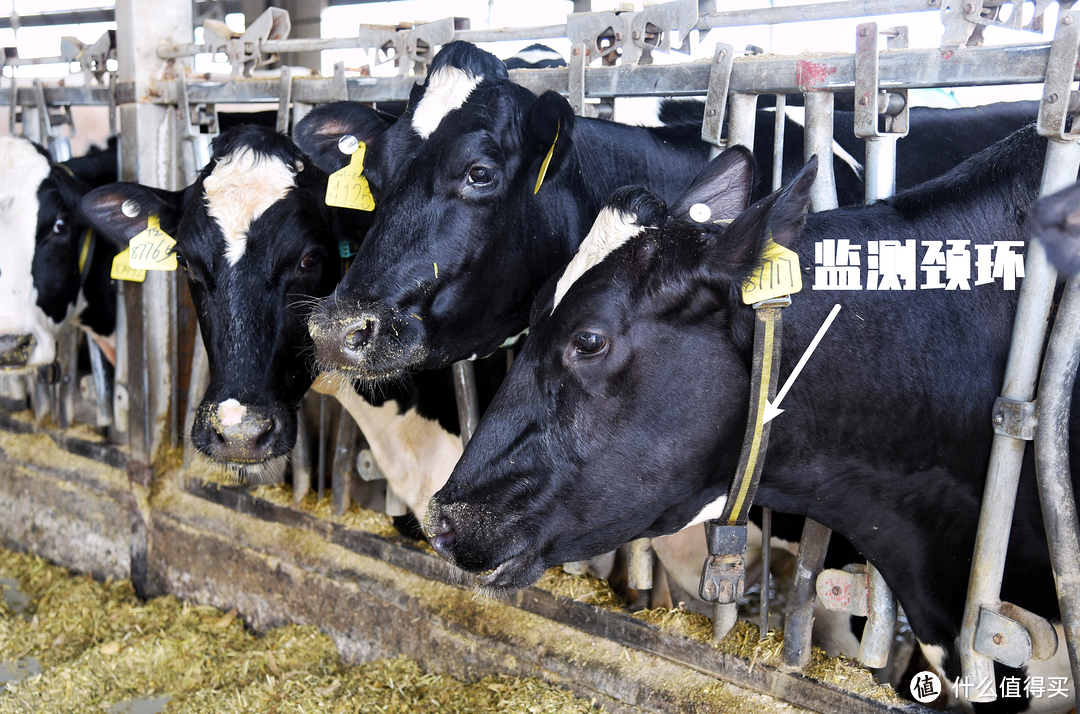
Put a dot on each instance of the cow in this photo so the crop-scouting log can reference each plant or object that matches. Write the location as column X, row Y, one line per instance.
column 470, row 232
column 1055, row 220
column 52, row 268
column 623, row 415
column 258, row 244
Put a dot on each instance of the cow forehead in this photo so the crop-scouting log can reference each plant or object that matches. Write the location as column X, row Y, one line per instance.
column 22, row 169
column 447, row 89
column 612, row 228
column 239, row 189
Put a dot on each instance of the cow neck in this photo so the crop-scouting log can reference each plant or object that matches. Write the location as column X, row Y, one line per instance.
column 723, row 576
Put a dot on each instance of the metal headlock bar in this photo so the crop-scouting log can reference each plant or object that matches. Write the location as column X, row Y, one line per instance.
column 992, row 630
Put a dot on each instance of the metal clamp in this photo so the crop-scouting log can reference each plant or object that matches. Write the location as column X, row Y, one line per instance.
column 245, row 52
column 723, row 578
column 846, row 590
column 1013, row 636
column 1015, row 418
column 421, row 41
column 870, row 102
column 989, row 12
column 1057, row 88
column 716, row 98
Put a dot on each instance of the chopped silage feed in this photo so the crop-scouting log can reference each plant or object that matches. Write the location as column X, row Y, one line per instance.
column 98, row 645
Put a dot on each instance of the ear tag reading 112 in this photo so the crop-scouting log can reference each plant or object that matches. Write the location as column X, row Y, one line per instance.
column 122, row 270
column 153, row 248
column 778, row 275
column 347, row 187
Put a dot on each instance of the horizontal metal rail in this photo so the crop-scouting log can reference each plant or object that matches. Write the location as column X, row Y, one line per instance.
column 761, row 74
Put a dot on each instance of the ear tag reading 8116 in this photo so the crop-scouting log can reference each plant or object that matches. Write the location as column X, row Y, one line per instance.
column 153, row 248
column 347, row 187
column 778, row 275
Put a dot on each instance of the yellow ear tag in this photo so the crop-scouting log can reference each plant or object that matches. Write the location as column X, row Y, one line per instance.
column 547, row 159
column 778, row 275
column 348, row 188
column 153, row 248
column 122, row 270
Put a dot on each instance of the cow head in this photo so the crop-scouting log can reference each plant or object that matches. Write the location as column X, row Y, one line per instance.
column 623, row 415
column 43, row 244
column 257, row 243
column 462, row 239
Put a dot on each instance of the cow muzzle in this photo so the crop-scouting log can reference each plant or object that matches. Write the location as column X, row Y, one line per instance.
column 15, row 350
column 237, row 433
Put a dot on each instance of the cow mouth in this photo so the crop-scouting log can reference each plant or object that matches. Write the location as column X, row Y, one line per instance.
column 517, row 571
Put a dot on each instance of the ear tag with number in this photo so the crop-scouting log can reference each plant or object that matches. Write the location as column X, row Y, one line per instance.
column 153, row 248
column 347, row 187
column 122, row 270
column 778, row 275
column 547, row 159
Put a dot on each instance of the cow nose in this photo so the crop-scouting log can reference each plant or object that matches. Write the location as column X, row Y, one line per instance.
column 359, row 333
column 441, row 536
column 242, row 434
column 15, row 350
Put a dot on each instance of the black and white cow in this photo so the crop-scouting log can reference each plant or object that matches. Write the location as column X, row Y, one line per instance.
column 44, row 239
column 624, row 413
column 258, row 244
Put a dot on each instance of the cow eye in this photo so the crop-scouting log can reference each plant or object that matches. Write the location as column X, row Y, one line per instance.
column 181, row 261
column 60, row 226
column 480, row 175
column 310, row 261
column 589, row 343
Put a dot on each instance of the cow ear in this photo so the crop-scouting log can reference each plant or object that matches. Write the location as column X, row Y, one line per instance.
column 1055, row 221
column 318, row 133
column 778, row 217
column 552, row 123
column 721, row 191
column 106, row 211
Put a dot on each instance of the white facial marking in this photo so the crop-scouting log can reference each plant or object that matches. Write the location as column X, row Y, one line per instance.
column 611, row 229
column 231, row 412
column 414, row 453
column 532, row 56
column 710, row 512
column 239, row 189
column 798, row 115
column 448, row 88
column 22, row 169
column 700, row 212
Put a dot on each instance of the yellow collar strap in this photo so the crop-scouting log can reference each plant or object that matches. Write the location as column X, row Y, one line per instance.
column 86, row 254
column 547, row 159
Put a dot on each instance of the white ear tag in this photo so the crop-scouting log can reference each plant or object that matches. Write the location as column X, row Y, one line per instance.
column 700, row 212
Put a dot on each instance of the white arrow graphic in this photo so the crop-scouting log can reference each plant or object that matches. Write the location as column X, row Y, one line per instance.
column 773, row 410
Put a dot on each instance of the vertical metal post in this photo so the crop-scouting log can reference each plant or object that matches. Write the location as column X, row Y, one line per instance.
column 800, row 613
column 121, row 398
column 778, row 142
column 742, row 119
column 321, row 460
column 102, row 388
column 301, row 463
column 1007, row 452
column 468, row 404
column 67, row 357
column 819, row 142
column 200, row 380
column 1052, row 466
column 344, row 456
column 766, row 563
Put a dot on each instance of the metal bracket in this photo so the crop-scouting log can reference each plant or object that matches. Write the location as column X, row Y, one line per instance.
column 578, row 60
column 198, row 116
column 367, row 467
column 723, row 577
column 58, row 142
column 990, row 12
column 1015, row 419
column 870, row 102
column 846, row 590
column 1057, row 88
column 716, row 99
column 284, row 100
column 651, row 29
column 245, row 52
column 421, row 41
column 1013, row 636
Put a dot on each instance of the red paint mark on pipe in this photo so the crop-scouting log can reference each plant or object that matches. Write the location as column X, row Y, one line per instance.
column 812, row 75
column 946, row 54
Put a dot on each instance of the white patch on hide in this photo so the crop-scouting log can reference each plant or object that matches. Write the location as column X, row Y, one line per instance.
column 414, row 453
column 610, row 230
column 22, row 169
column 239, row 189
column 533, row 56
column 447, row 89
column 710, row 512
column 798, row 115
column 231, row 412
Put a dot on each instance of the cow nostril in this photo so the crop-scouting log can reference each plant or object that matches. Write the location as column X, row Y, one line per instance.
column 358, row 338
column 263, row 439
column 441, row 535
